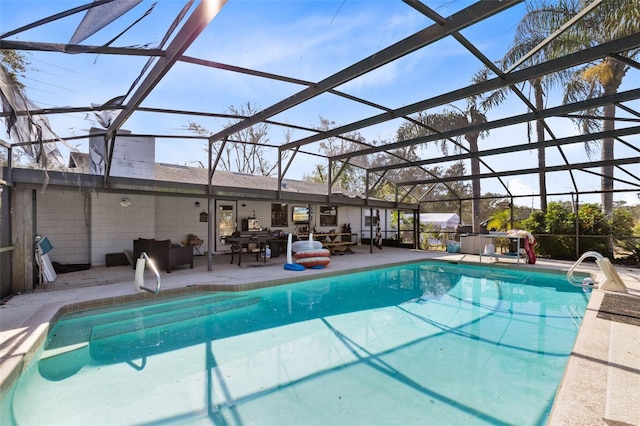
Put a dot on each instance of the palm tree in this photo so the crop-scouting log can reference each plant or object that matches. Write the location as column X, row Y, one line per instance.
column 529, row 34
column 609, row 21
column 450, row 119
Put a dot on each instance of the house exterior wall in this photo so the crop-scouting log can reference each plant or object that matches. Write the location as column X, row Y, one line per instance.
column 262, row 210
column 113, row 227
column 83, row 228
column 386, row 226
column 62, row 218
column 175, row 218
column 85, row 225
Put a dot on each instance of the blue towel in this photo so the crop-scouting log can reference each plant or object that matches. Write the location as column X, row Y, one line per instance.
column 45, row 245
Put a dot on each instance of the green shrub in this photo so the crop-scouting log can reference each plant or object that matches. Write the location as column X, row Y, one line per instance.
column 555, row 230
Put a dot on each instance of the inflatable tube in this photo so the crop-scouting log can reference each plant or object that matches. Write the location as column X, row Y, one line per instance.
column 293, row 267
column 312, row 253
column 310, row 262
column 306, row 245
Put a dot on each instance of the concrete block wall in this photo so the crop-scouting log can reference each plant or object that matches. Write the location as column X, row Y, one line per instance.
column 113, row 227
column 85, row 231
column 61, row 217
column 177, row 217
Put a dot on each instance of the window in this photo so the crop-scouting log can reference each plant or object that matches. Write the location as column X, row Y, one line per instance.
column 328, row 216
column 370, row 221
column 300, row 214
column 279, row 214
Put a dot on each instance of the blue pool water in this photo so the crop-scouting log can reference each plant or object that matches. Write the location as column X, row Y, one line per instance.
column 429, row 343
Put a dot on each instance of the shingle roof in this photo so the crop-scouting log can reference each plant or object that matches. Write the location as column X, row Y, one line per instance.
column 79, row 163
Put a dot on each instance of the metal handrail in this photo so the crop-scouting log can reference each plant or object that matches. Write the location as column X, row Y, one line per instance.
column 610, row 279
column 139, row 277
column 587, row 282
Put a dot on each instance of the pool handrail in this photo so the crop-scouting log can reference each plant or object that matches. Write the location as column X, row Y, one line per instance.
column 610, row 279
column 138, row 282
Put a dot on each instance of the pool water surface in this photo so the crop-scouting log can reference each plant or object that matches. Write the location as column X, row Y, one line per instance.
column 425, row 343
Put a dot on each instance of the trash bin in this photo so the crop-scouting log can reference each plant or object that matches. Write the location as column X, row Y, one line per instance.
column 274, row 245
column 453, row 248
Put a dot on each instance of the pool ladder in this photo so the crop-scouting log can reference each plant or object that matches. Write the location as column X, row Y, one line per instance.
column 610, row 279
column 138, row 282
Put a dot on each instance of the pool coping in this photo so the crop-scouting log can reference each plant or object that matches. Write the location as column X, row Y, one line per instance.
column 602, row 373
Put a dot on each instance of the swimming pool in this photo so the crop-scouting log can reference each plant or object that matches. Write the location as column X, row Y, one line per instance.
column 426, row 343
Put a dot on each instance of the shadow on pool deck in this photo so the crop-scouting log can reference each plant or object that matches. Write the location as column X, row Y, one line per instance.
column 602, row 376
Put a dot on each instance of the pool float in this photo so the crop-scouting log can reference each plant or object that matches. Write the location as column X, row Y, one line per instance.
column 310, row 254
column 290, row 266
column 299, row 246
column 313, row 262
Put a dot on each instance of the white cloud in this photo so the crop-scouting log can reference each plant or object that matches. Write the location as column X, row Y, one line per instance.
column 631, row 198
column 519, row 187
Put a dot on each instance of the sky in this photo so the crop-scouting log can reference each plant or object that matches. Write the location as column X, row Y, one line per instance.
column 306, row 40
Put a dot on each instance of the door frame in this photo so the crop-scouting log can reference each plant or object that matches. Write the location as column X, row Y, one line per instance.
column 218, row 208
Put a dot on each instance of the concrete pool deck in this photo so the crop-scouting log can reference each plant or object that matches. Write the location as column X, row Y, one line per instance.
column 600, row 384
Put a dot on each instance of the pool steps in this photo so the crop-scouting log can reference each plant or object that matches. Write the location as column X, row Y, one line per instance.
column 144, row 320
column 160, row 332
column 125, row 325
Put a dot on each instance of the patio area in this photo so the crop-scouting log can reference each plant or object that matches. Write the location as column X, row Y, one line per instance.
column 602, row 376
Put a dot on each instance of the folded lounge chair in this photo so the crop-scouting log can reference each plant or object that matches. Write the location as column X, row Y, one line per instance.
column 47, row 273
